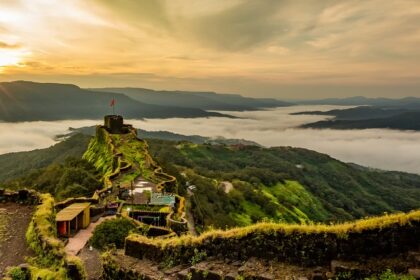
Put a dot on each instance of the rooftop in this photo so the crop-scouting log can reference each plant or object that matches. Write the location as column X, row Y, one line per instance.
column 71, row 212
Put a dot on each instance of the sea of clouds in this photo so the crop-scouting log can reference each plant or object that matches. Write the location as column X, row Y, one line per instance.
column 379, row 148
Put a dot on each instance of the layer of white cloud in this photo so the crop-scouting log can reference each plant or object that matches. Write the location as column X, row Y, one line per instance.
column 379, row 148
column 27, row 136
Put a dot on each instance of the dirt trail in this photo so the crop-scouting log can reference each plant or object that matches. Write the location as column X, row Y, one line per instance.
column 79, row 241
column 92, row 262
column 15, row 219
column 190, row 216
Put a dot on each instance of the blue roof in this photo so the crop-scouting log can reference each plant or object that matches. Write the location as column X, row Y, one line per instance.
column 162, row 199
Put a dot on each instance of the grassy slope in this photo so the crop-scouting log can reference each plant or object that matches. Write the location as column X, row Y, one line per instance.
column 134, row 152
column 103, row 148
column 268, row 183
column 100, row 153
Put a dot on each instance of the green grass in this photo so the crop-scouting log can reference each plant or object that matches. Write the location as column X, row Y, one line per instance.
column 156, row 208
column 390, row 275
column 51, row 259
column 298, row 203
column 134, row 152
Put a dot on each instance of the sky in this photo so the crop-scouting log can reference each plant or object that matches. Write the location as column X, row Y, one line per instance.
column 288, row 49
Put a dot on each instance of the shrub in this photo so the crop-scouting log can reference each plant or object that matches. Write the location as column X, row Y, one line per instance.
column 112, row 233
column 389, row 275
column 16, row 273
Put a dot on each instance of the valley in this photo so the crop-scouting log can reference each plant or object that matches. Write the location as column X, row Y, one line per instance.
column 237, row 190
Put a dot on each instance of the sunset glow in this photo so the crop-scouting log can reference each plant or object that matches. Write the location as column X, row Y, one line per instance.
column 10, row 58
column 276, row 48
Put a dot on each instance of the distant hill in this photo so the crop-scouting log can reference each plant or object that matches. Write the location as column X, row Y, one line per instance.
column 14, row 165
column 199, row 100
column 406, row 102
column 363, row 117
column 29, row 101
column 403, row 121
column 357, row 113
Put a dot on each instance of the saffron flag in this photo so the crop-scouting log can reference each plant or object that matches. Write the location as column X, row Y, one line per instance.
column 112, row 102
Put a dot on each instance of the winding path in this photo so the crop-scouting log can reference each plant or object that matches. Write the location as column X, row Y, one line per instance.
column 76, row 243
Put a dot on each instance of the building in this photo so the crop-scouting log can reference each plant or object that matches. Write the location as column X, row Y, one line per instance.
column 114, row 124
column 73, row 218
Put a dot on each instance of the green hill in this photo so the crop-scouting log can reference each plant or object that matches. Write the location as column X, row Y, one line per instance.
column 14, row 165
column 282, row 184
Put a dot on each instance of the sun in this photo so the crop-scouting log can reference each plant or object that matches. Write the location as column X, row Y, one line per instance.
column 10, row 58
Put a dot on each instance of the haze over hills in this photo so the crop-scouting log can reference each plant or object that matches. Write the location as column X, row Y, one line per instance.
column 200, row 100
column 400, row 114
column 364, row 117
column 403, row 121
column 357, row 113
column 406, row 102
column 29, row 101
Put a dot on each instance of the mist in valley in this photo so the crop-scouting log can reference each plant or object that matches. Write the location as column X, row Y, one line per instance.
column 377, row 148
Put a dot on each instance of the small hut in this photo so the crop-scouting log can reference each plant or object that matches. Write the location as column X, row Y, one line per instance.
column 73, row 218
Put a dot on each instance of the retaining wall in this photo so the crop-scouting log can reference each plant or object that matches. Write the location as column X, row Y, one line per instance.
column 309, row 245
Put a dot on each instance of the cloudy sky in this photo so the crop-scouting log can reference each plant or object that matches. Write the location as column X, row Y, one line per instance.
column 279, row 48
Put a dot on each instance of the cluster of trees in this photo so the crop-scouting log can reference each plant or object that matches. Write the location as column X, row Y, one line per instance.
column 13, row 165
column 72, row 178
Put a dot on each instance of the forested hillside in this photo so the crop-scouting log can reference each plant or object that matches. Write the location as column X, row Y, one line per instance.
column 282, row 184
column 15, row 165
column 58, row 169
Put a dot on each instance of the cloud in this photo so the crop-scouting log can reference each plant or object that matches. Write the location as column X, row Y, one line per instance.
column 28, row 136
column 243, row 26
column 371, row 147
column 4, row 45
column 251, row 47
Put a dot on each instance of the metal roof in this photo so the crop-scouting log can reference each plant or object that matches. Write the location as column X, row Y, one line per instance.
column 71, row 211
column 162, row 199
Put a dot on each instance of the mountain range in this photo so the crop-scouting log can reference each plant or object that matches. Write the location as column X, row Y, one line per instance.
column 400, row 114
column 199, row 100
column 30, row 101
column 406, row 102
